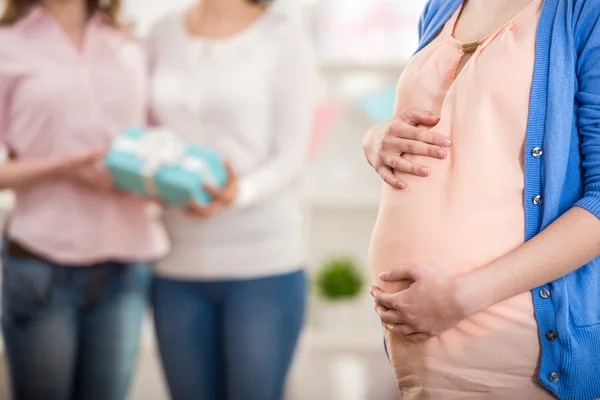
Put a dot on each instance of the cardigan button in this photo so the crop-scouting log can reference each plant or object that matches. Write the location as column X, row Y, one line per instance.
column 537, row 152
column 551, row 335
column 537, row 200
column 553, row 377
column 544, row 293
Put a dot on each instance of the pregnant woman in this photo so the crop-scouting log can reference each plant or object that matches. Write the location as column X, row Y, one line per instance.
column 486, row 270
column 75, row 274
column 237, row 76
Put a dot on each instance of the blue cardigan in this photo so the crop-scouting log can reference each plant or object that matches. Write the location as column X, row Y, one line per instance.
column 564, row 123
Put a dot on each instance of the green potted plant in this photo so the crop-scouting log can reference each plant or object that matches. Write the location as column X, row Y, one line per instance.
column 339, row 283
column 339, row 279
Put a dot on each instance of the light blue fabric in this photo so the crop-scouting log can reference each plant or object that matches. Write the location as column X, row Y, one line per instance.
column 564, row 121
column 174, row 184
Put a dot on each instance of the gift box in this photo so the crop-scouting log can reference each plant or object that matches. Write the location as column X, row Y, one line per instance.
column 154, row 163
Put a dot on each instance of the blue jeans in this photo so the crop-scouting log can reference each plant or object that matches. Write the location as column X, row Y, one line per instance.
column 229, row 340
column 72, row 333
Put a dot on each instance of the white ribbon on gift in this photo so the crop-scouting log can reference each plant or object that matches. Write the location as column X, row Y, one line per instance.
column 159, row 148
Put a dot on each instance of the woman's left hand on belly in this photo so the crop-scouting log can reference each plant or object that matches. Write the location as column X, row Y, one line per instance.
column 428, row 307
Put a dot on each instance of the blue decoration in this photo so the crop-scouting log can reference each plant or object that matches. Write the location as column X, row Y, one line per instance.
column 379, row 106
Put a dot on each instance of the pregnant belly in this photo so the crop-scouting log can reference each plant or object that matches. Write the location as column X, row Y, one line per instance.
column 442, row 224
column 458, row 219
column 458, row 223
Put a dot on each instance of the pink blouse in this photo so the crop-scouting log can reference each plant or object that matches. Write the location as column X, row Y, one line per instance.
column 56, row 101
column 445, row 220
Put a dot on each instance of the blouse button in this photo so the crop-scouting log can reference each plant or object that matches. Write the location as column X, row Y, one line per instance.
column 544, row 293
column 537, row 200
column 553, row 377
column 536, row 152
column 551, row 335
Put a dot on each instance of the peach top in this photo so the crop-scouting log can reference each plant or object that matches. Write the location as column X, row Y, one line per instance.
column 56, row 101
column 468, row 212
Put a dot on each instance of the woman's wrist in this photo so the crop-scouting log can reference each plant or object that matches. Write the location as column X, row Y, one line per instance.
column 471, row 295
column 53, row 169
column 18, row 173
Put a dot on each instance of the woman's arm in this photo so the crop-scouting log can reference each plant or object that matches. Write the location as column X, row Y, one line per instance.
column 17, row 174
column 570, row 242
column 294, row 102
column 436, row 302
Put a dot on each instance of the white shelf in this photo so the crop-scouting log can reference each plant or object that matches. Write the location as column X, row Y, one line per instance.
column 343, row 66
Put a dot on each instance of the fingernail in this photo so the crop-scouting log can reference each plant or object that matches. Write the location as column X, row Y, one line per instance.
column 401, row 185
column 446, row 142
column 383, row 275
column 441, row 153
column 424, row 171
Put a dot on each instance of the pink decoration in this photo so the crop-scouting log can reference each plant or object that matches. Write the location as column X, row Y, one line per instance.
column 325, row 117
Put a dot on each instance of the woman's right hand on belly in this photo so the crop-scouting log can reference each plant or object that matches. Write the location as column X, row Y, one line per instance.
column 407, row 132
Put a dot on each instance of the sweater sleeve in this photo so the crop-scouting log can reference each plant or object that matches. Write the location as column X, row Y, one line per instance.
column 587, row 45
column 151, row 42
column 423, row 20
column 294, row 102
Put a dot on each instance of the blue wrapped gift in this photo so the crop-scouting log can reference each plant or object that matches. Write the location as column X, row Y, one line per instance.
column 154, row 163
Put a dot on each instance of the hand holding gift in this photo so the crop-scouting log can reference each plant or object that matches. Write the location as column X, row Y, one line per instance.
column 92, row 175
column 222, row 198
column 79, row 167
column 155, row 164
column 82, row 169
